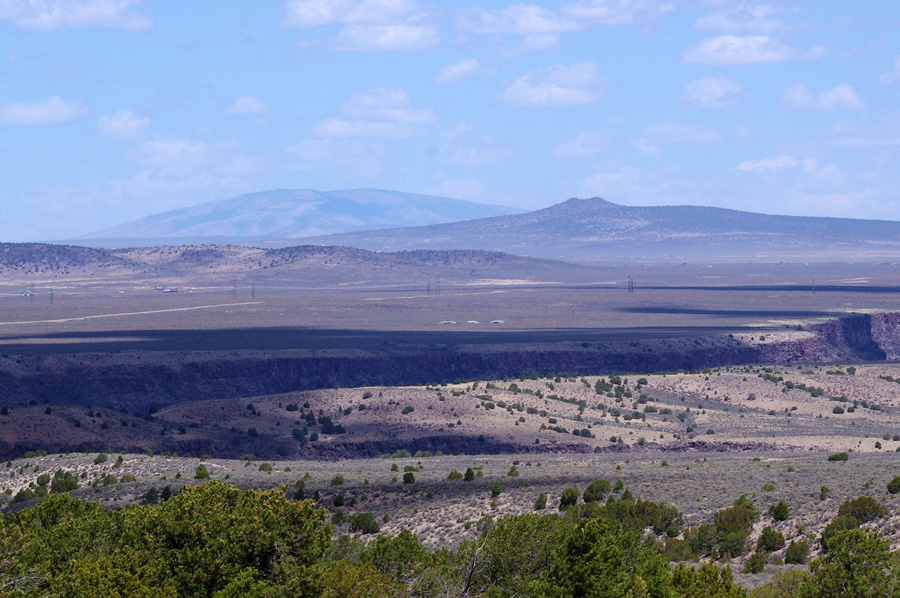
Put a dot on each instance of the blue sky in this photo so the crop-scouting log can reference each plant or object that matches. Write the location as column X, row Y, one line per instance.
column 115, row 109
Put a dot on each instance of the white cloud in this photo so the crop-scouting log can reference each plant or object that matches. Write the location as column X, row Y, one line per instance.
column 53, row 111
column 558, row 85
column 767, row 164
column 315, row 13
column 180, row 156
column 248, row 105
column 459, row 70
column 742, row 19
column 521, row 19
column 49, row 15
column 543, row 24
column 392, row 105
column 588, row 143
column 879, row 132
column 606, row 181
column 370, row 25
column 376, row 113
column 615, row 12
column 893, row 75
column 840, row 97
column 124, row 125
column 746, row 49
column 797, row 96
column 712, row 92
column 339, row 127
column 397, row 37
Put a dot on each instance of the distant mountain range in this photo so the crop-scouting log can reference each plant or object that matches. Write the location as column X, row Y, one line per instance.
column 595, row 229
column 582, row 230
column 296, row 213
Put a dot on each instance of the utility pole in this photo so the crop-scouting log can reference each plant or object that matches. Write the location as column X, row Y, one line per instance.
column 630, row 284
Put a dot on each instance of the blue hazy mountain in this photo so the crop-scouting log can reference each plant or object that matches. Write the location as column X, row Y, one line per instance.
column 592, row 229
column 294, row 213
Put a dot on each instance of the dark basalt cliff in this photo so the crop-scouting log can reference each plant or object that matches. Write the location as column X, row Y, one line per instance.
column 159, row 379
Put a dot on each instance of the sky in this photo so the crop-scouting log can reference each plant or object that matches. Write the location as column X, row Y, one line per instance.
column 111, row 110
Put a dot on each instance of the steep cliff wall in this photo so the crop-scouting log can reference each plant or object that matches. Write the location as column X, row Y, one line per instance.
column 140, row 381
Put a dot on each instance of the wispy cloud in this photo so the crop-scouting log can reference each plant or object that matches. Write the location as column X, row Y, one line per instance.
column 712, row 92
column 727, row 50
column 616, row 12
column 248, row 105
column 124, row 125
column 840, row 97
column 558, row 85
column 315, row 13
column 521, row 19
column 53, row 111
column 744, row 18
column 397, row 37
column 376, row 113
column 369, row 25
column 893, row 75
column 459, row 70
column 50, row 15
column 775, row 164
column 181, row 156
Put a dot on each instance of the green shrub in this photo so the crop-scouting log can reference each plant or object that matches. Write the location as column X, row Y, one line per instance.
column 364, row 523
column 894, row 485
column 796, row 553
column 101, row 458
column 568, row 498
column 63, row 481
column 838, row 524
column 469, row 475
column 409, row 478
column 755, row 563
column 596, row 491
column 779, row 511
column 839, row 457
column 864, row 508
column 337, row 480
column 770, row 540
column 676, row 550
column 201, row 473
column 339, row 517
column 540, row 502
column 496, row 489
